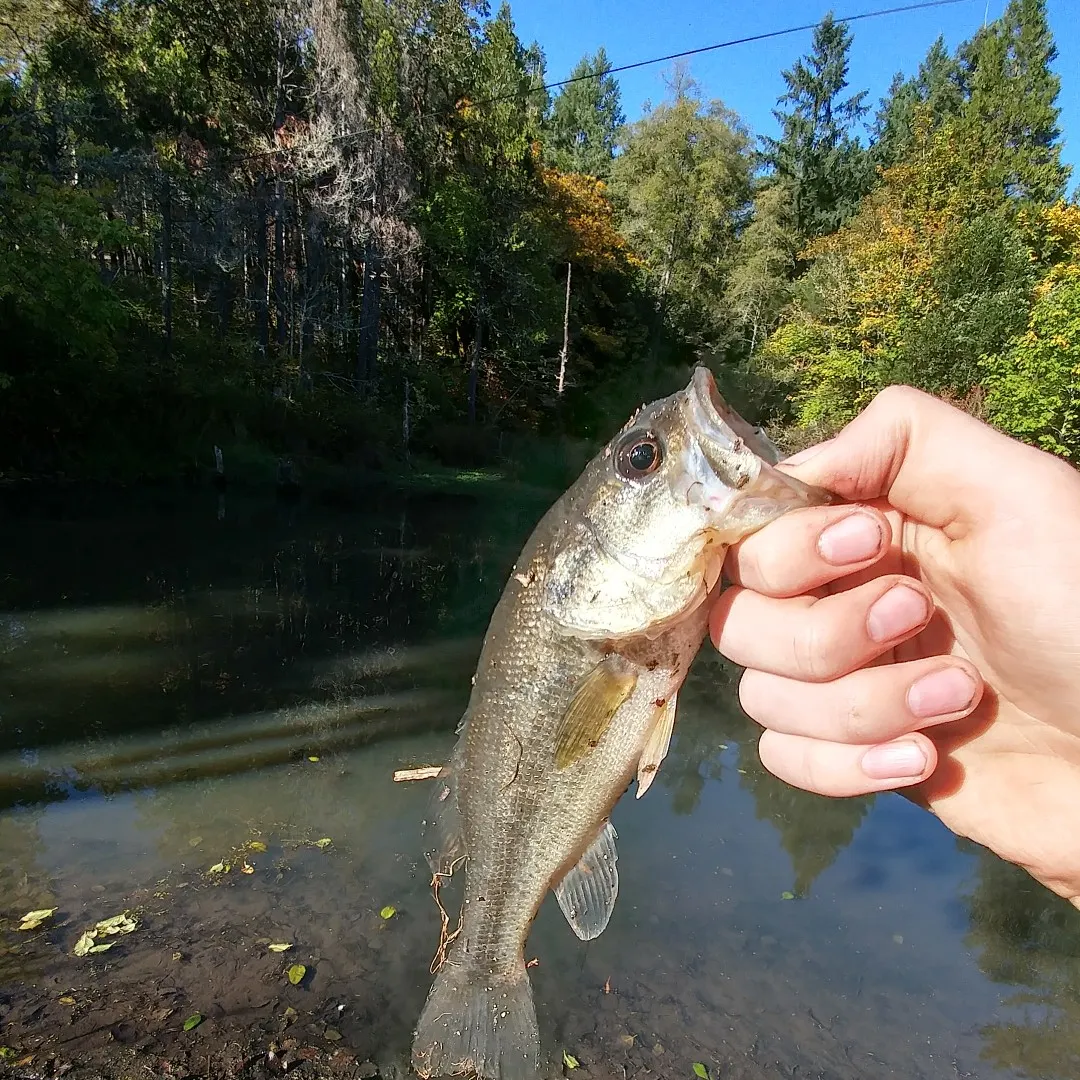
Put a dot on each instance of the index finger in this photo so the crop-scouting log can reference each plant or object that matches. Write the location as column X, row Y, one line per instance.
column 808, row 548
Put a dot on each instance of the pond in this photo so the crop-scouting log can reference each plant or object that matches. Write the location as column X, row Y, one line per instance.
column 203, row 700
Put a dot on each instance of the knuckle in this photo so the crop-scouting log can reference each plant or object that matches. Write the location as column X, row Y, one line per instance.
column 817, row 646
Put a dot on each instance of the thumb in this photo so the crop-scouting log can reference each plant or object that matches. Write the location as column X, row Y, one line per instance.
column 930, row 460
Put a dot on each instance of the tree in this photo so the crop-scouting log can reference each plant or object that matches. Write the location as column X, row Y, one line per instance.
column 1033, row 385
column 585, row 119
column 682, row 182
column 817, row 154
column 1012, row 101
column 935, row 92
column 760, row 282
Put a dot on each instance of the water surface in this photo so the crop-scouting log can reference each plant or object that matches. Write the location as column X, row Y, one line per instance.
column 194, row 681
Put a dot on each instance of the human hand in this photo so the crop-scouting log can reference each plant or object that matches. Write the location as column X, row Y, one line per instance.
column 927, row 637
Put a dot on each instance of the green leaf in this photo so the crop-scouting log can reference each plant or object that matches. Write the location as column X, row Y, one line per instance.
column 279, row 946
column 324, row 843
column 102, row 948
column 193, row 1021
column 570, row 1061
column 787, row 895
column 701, row 1070
column 296, row 974
column 256, row 845
column 388, row 912
column 33, row 919
column 313, row 757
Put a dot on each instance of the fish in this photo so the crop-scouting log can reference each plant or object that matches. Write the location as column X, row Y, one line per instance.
column 574, row 696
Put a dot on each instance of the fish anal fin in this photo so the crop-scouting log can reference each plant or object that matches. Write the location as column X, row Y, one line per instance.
column 591, row 710
column 587, row 893
column 656, row 746
column 444, row 836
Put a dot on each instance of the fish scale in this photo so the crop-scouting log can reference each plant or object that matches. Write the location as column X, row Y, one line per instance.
column 574, row 693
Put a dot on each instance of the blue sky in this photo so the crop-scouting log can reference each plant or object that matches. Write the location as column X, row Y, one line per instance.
column 747, row 77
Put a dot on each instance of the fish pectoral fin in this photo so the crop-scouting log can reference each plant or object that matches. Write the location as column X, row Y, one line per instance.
column 591, row 710
column 656, row 746
column 587, row 893
column 444, row 835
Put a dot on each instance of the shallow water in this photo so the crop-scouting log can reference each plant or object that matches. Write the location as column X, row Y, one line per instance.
column 183, row 676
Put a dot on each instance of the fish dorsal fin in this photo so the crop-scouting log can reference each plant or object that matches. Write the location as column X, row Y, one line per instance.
column 587, row 893
column 656, row 746
column 591, row 710
column 444, row 836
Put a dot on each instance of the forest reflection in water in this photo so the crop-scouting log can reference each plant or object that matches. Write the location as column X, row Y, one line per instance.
column 170, row 675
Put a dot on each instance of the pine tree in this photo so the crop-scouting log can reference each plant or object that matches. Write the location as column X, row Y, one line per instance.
column 817, row 154
column 1013, row 101
column 585, row 119
column 935, row 91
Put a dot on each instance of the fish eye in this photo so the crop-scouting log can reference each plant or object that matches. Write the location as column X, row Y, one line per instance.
column 639, row 456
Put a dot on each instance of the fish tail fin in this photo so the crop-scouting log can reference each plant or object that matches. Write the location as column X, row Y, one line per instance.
column 477, row 1023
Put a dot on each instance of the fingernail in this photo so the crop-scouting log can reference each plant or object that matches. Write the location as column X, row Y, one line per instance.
column 894, row 761
column 899, row 610
column 947, row 691
column 853, row 539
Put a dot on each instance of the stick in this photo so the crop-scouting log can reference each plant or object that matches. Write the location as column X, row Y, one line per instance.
column 425, row 772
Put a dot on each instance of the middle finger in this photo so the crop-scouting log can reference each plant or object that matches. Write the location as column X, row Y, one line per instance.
column 818, row 639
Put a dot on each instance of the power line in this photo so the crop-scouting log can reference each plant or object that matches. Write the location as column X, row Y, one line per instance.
column 925, row 4
column 748, row 40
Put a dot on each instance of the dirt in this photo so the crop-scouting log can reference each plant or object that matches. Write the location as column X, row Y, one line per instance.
column 201, row 947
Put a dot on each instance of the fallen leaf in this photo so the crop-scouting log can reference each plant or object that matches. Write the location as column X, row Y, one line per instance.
column 256, row 845
column 102, row 948
column 701, row 1071
column 607, row 985
column 193, row 1021
column 280, row 946
column 324, row 843
column 627, row 1040
column 85, row 943
column 569, row 1060
column 332, row 1035
column 178, row 955
column 658, row 1048
column 219, row 868
column 313, row 757
column 33, row 919
column 118, row 924
column 296, row 974
column 195, row 841
column 787, row 895
column 534, row 962
column 247, row 868
column 67, row 999
column 388, row 912
column 24, row 1061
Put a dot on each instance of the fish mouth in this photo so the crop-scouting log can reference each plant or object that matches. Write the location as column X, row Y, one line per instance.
column 738, row 478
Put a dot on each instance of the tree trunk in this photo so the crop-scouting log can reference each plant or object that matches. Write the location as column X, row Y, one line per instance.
column 370, row 303
column 260, row 277
column 167, row 269
column 474, row 368
column 565, row 333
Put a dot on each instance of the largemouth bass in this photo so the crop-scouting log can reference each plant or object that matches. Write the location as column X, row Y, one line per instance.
column 574, row 694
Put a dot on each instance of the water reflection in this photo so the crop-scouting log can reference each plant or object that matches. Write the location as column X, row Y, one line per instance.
column 175, row 686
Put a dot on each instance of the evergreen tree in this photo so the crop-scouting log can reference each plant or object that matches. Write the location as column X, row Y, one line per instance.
column 585, row 119
column 1012, row 103
column 935, row 93
column 817, row 154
